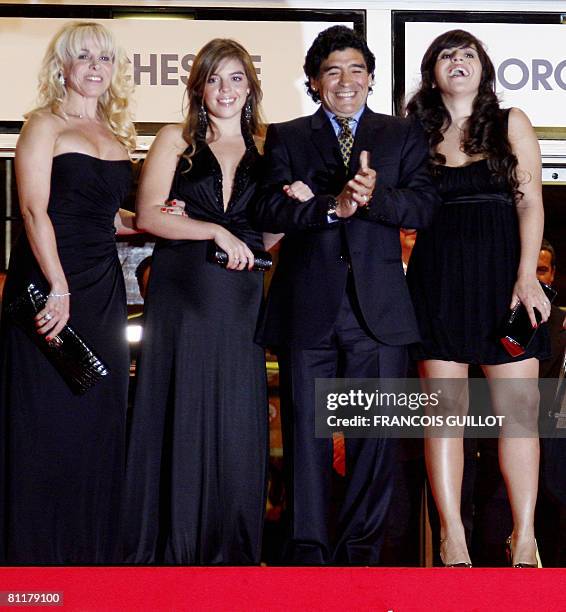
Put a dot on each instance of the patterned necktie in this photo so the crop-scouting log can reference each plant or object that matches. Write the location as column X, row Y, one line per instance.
column 345, row 139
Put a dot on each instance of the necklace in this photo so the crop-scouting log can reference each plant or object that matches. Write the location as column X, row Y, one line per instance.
column 76, row 115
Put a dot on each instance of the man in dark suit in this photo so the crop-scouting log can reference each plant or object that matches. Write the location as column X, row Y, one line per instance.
column 546, row 270
column 338, row 305
column 550, row 515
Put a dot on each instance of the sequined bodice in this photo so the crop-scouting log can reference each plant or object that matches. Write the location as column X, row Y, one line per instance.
column 199, row 185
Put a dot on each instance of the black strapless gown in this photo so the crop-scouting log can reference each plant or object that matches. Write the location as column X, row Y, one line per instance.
column 62, row 456
column 463, row 268
column 196, row 474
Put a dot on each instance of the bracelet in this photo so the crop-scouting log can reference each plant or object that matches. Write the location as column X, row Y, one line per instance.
column 58, row 295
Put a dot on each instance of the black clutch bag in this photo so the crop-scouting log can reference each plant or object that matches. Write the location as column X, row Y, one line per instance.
column 517, row 331
column 262, row 259
column 68, row 352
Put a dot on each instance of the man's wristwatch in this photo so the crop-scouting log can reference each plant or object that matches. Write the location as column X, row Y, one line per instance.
column 331, row 212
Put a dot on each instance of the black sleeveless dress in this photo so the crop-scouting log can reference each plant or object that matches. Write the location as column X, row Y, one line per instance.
column 62, row 455
column 196, row 474
column 463, row 269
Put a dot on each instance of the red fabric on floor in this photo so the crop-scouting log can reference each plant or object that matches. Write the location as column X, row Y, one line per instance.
column 154, row 589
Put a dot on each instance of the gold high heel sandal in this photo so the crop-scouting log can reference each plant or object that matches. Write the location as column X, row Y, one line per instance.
column 509, row 549
column 458, row 564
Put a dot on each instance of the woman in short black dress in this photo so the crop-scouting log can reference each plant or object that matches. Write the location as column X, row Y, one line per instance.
column 477, row 260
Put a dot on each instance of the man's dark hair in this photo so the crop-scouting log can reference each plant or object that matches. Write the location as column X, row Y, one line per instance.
column 336, row 38
column 546, row 246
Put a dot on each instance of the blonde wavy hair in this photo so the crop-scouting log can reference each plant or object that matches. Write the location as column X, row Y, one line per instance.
column 204, row 64
column 114, row 104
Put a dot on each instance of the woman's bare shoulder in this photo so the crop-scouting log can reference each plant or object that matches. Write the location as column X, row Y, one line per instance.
column 40, row 131
column 171, row 135
column 43, row 119
column 518, row 120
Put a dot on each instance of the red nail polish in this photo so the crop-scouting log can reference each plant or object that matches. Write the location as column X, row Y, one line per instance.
column 163, row 208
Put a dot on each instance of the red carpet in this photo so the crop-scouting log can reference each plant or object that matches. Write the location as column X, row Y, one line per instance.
column 287, row 589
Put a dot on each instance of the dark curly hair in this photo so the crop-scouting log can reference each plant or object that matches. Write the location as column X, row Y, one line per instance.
column 336, row 38
column 486, row 132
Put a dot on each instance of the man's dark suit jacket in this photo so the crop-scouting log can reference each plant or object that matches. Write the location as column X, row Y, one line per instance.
column 310, row 279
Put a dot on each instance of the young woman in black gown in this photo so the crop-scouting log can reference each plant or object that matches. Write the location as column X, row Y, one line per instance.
column 196, row 471
column 472, row 265
column 62, row 455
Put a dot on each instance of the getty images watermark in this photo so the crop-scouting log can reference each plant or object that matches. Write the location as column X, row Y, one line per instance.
column 413, row 408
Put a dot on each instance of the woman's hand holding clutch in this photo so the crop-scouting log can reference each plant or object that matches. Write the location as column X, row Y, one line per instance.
column 529, row 292
column 52, row 318
column 240, row 256
column 518, row 329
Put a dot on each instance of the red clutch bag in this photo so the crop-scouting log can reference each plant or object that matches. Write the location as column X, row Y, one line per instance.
column 517, row 332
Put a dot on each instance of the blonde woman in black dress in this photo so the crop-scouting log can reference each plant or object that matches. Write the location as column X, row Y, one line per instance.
column 62, row 455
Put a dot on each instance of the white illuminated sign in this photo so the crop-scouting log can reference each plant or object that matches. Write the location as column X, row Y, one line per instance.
column 161, row 52
column 530, row 61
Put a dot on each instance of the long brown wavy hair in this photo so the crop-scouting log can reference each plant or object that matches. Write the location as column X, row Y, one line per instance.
column 204, row 64
column 485, row 130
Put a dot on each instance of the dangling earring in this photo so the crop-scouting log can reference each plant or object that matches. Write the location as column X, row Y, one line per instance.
column 248, row 111
column 202, row 120
column 61, row 79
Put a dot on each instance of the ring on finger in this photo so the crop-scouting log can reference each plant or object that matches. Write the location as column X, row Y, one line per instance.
column 47, row 317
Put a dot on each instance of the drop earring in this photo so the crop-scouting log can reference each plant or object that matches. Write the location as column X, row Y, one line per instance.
column 61, row 79
column 202, row 120
column 248, row 111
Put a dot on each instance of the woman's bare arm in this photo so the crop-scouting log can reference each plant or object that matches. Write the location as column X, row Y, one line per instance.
column 34, row 157
column 530, row 212
column 153, row 191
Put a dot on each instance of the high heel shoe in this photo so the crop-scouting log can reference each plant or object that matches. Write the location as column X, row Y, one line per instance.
column 457, row 564
column 509, row 550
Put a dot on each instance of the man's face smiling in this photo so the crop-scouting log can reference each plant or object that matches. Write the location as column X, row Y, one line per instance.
column 343, row 82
